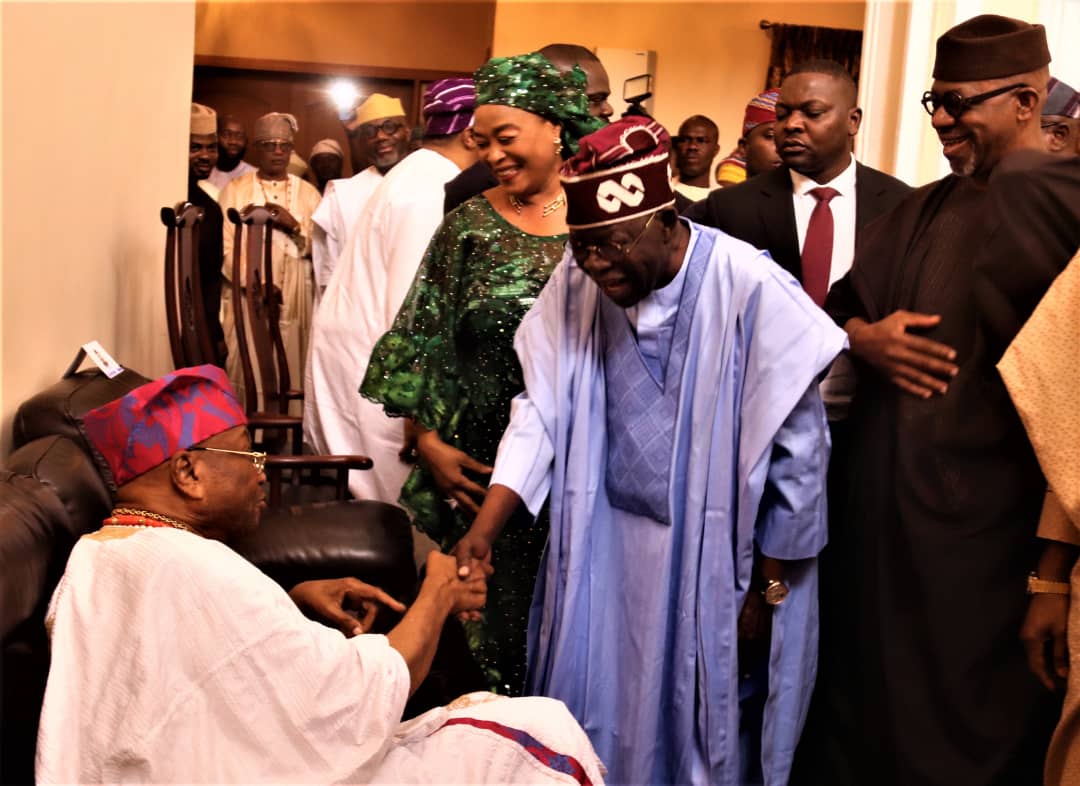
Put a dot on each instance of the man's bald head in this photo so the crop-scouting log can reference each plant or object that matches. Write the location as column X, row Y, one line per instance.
column 565, row 56
column 598, row 87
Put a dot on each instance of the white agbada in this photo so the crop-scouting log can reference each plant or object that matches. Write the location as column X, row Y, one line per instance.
column 368, row 286
column 290, row 266
column 220, row 178
column 342, row 204
column 176, row 660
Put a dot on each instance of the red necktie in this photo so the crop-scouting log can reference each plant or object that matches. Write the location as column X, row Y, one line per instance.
column 817, row 248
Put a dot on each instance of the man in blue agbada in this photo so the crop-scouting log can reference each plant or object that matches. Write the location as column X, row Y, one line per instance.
column 671, row 411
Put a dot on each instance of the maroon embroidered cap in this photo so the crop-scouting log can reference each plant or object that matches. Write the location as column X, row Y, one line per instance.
column 620, row 172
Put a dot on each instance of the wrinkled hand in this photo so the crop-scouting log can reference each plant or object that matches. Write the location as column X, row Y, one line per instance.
column 1045, row 622
column 755, row 617
column 349, row 605
column 283, row 219
column 468, row 594
column 918, row 365
column 446, row 464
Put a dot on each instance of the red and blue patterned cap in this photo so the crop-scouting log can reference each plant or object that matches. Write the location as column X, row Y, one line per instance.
column 142, row 429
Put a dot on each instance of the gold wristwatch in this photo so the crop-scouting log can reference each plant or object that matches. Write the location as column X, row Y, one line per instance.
column 775, row 592
column 1037, row 586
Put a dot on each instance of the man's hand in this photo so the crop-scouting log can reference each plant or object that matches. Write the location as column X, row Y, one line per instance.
column 1046, row 621
column 283, row 219
column 918, row 365
column 466, row 595
column 471, row 549
column 331, row 601
column 446, row 464
column 755, row 617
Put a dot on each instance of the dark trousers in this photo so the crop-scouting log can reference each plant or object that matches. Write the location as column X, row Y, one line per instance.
column 829, row 747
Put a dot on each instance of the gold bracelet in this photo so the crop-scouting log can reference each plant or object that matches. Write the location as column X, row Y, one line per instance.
column 1037, row 586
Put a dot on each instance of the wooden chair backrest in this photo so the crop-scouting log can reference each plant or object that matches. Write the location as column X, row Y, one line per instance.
column 257, row 305
column 189, row 331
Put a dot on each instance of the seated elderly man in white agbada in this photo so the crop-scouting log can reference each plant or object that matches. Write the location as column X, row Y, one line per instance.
column 175, row 660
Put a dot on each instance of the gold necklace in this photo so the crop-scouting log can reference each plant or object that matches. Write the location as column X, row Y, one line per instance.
column 545, row 210
column 136, row 517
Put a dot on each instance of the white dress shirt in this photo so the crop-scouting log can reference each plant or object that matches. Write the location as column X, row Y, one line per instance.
column 839, row 385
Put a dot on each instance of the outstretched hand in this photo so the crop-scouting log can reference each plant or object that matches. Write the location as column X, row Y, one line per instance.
column 348, row 604
column 1046, row 621
column 467, row 592
column 913, row 363
column 447, row 465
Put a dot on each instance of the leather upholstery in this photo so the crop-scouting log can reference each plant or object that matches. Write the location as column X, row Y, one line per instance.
column 56, row 409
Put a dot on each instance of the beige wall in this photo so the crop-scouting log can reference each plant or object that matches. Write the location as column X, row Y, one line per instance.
column 441, row 35
column 96, row 101
column 710, row 57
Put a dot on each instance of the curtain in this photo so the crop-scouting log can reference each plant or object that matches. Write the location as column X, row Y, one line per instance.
column 791, row 44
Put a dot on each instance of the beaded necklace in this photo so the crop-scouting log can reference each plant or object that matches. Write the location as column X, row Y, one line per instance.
column 287, row 204
column 136, row 517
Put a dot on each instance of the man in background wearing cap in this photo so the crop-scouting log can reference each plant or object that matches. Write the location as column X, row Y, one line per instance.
column 202, row 155
column 326, row 160
column 672, row 412
column 232, row 145
column 756, row 150
column 1061, row 119
column 175, row 660
column 944, row 493
column 369, row 284
column 479, row 178
column 378, row 140
column 295, row 200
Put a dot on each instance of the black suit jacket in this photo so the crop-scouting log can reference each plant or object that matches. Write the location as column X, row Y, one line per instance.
column 760, row 210
column 468, row 183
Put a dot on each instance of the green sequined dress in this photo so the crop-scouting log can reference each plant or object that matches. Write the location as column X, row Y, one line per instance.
column 449, row 362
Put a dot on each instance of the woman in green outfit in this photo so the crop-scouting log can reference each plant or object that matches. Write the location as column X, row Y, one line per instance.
column 448, row 362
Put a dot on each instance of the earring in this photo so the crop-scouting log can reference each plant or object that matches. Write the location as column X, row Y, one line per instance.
column 558, row 145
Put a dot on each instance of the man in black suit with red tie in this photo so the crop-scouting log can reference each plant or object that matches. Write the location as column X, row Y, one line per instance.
column 808, row 214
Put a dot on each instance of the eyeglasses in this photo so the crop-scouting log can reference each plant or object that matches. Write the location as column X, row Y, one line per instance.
column 371, row 130
column 609, row 249
column 270, row 146
column 258, row 459
column 955, row 104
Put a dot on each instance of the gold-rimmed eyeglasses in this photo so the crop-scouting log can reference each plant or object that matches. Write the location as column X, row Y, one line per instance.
column 257, row 458
column 609, row 249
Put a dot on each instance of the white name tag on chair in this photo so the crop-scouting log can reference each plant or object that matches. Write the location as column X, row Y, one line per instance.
column 102, row 359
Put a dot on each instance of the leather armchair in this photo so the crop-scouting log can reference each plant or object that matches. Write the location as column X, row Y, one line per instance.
column 51, row 493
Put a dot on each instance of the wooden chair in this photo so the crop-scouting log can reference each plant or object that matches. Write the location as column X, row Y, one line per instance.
column 257, row 306
column 189, row 331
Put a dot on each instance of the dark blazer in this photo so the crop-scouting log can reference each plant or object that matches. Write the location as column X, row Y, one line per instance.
column 472, row 181
column 760, row 210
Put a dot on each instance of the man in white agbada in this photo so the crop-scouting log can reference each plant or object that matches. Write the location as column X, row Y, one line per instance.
column 271, row 184
column 371, row 280
column 175, row 660
column 378, row 141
